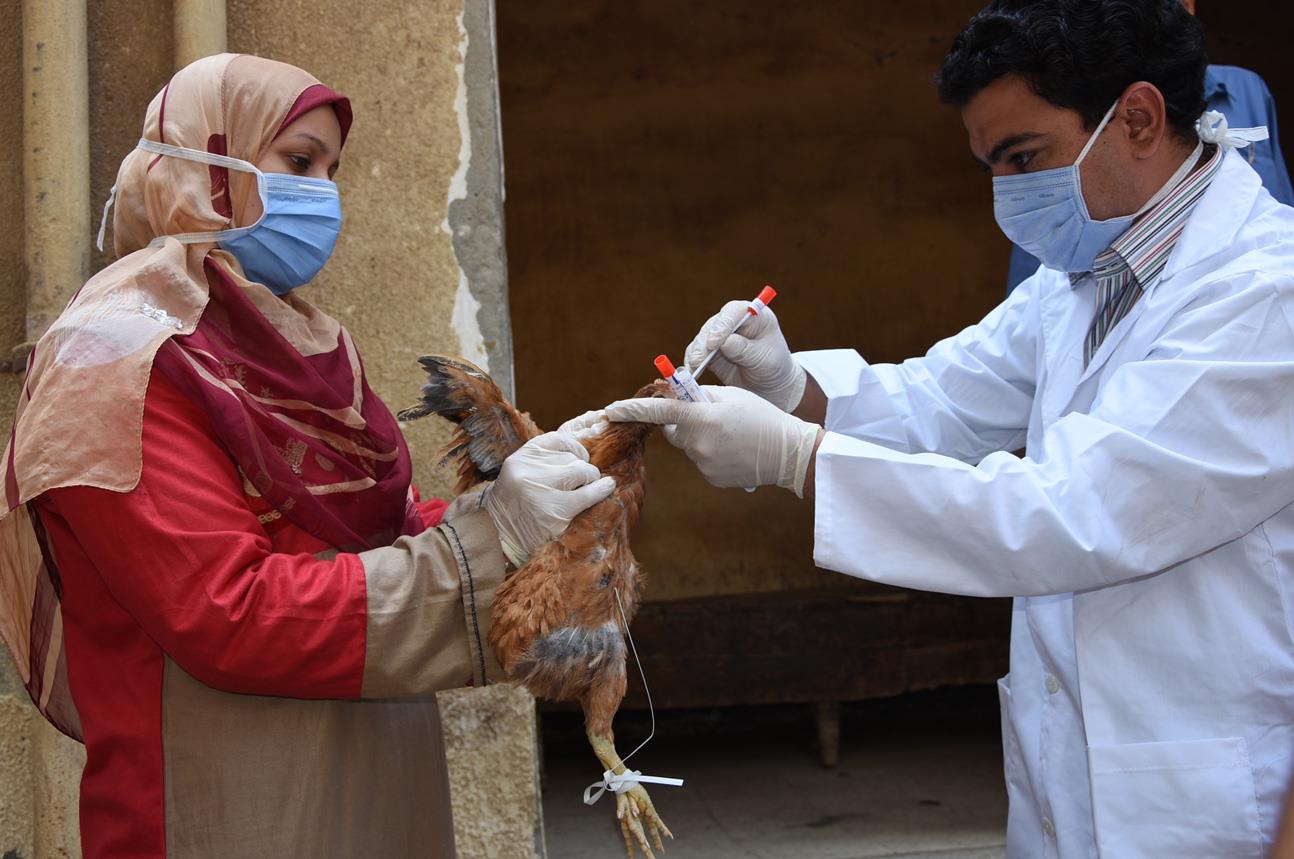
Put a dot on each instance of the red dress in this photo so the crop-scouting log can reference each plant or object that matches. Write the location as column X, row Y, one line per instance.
column 194, row 567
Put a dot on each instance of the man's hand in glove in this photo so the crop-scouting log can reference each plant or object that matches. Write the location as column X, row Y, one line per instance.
column 738, row 439
column 756, row 359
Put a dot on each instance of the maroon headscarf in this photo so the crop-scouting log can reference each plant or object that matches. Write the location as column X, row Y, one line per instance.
column 306, row 431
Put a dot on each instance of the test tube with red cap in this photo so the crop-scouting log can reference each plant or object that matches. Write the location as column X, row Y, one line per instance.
column 765, row 298
column 681, row 382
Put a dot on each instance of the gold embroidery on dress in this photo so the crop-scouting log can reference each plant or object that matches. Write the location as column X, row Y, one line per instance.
column 248, row 490
column 235, row 371
column 293, row 453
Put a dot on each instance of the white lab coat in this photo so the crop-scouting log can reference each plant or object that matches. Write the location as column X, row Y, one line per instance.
column 1148, row 537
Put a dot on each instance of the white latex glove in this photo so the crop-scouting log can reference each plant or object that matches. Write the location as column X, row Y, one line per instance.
column 587, row 425
column 757, row 358
column 737, row 439
column 540, row 489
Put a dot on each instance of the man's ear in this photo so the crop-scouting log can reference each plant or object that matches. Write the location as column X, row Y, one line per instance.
column 1145, row 117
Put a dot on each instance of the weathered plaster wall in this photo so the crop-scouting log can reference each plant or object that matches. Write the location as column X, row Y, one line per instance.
column 130, row 57
column 16, row 811
column 420, row 268
column 39, row 767
column 16, row 807
column 11, row 241
column 393, row 275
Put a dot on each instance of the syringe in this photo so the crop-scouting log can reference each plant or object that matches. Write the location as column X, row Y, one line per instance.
column 680, row 381
column 765, row 298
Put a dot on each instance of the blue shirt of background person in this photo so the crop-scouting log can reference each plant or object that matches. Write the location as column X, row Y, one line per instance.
column 1243, row 98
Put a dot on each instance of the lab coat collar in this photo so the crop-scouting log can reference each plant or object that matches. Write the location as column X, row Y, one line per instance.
column 1219, row 215
column 1125, row 247
column 1212, row 227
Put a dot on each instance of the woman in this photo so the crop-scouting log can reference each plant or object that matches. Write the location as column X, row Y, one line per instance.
column 213, row 568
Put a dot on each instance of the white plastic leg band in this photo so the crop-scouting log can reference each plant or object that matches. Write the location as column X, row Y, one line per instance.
column 623, row 783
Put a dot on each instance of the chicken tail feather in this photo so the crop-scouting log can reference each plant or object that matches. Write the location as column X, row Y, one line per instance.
column 489, row 427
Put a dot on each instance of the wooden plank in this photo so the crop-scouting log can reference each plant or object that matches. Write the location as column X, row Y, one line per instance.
column 814, row 646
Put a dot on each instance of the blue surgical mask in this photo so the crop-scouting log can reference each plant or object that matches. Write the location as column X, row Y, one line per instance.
column 1045, row 214
column 293, row 238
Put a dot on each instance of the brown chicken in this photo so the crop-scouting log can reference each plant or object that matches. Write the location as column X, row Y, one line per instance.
column 556, row 626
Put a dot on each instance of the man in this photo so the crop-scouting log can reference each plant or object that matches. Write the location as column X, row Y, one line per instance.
column 1148, row 535
column 1240, row 95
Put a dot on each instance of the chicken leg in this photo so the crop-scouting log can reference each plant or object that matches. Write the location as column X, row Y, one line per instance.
column 634, row 808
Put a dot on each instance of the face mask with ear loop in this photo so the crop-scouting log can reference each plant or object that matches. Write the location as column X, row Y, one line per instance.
column 290, row 242
column 1045, row 213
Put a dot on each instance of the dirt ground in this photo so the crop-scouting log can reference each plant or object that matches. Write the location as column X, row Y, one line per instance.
column 919, row 777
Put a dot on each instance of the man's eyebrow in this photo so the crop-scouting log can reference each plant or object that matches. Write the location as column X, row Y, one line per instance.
column 1014, row 140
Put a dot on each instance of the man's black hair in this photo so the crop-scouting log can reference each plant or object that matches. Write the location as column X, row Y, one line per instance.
column 1081, row 54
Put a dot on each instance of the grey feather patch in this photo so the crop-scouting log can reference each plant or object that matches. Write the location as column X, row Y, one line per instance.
column 572, row 653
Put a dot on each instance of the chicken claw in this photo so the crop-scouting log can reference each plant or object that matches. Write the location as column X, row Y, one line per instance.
column 634, row 808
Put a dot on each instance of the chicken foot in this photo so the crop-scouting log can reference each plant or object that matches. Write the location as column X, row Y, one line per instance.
column 634, row 808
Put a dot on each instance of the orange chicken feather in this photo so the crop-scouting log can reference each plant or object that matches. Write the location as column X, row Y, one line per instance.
column 556, row 626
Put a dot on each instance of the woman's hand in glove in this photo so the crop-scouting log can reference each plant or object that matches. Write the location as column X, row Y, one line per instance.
column 737, row 439
column 541, row 487
column 756, row 359
column 587, row 425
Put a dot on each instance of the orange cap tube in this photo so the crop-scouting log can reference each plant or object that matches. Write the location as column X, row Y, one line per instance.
column 765, row 297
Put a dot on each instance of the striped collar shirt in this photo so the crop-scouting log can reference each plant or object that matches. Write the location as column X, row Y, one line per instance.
column 1128, row 267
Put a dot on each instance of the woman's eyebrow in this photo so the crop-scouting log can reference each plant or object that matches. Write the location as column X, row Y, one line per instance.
column 319, row 144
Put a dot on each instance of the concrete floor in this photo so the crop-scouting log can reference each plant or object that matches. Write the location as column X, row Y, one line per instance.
column 919, row 777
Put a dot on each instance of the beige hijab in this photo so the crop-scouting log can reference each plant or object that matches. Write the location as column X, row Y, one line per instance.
column 79, row 417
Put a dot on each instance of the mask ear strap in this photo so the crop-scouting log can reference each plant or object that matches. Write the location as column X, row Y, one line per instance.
column 103, row 220
column 217, row 161
column 1212, row 128
column 196, row 155
column 1095, row 134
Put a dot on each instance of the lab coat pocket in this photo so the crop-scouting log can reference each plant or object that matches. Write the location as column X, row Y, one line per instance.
column 1188, row 800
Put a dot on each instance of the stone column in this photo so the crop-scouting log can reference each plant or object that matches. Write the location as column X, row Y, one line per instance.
column 56, row 158
column 200, row 30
